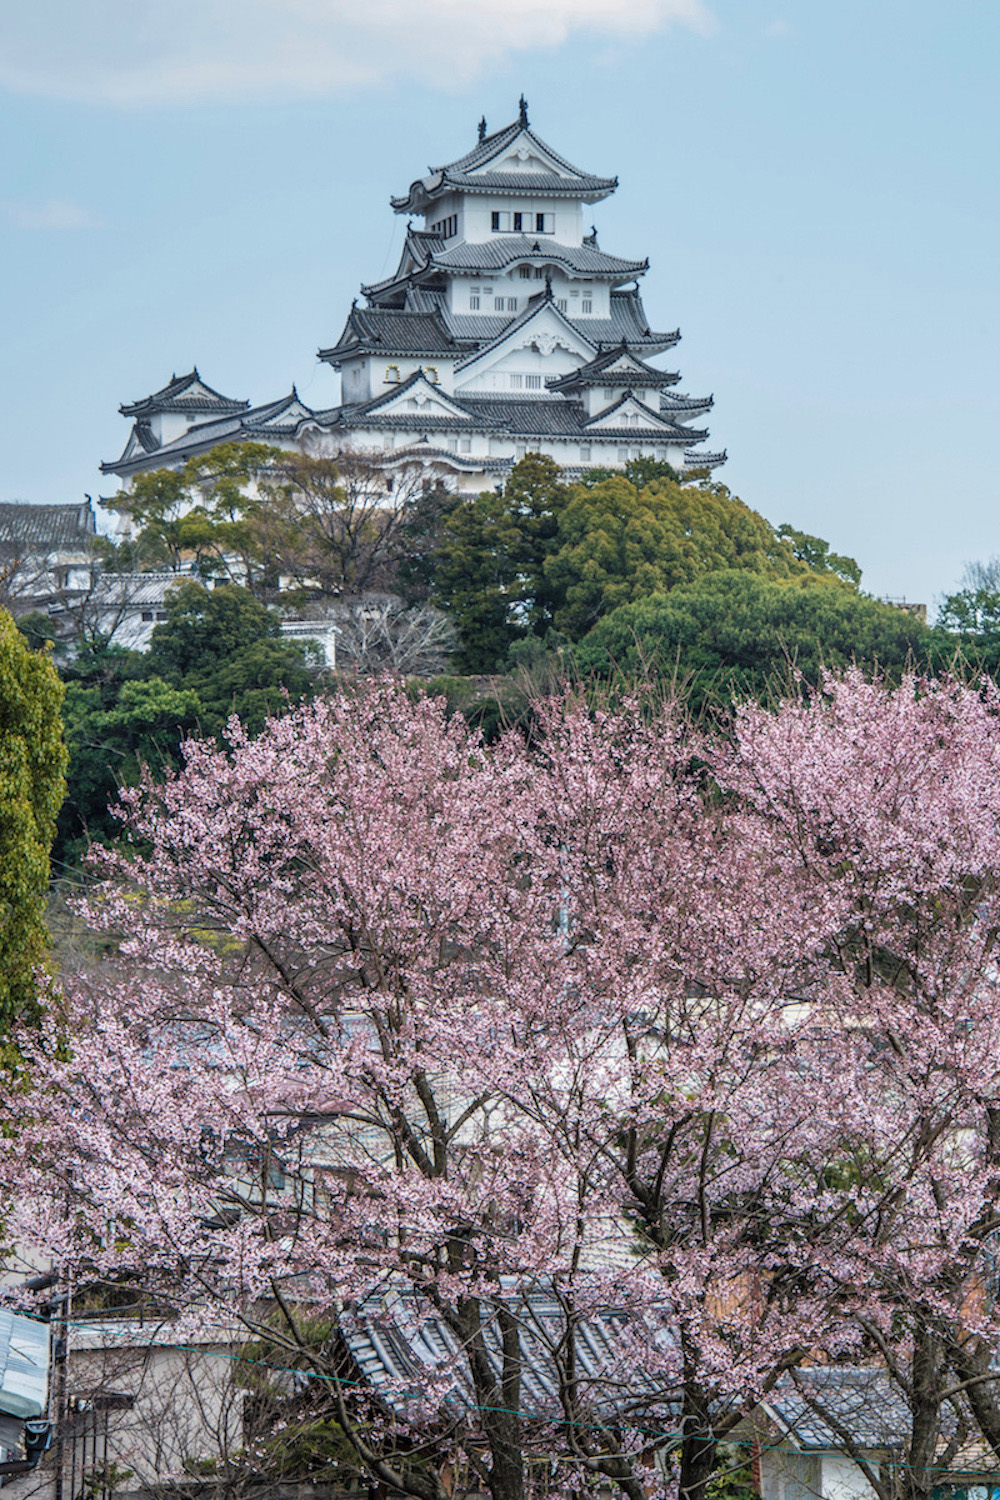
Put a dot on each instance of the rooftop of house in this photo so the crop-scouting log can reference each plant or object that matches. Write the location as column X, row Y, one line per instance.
column 46, row 528
column 401, row 1349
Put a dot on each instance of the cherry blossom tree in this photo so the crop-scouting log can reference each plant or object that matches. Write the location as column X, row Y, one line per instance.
column 640, row 1068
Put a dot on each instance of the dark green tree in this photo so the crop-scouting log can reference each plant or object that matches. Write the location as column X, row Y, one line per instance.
column 973, row 611
column 476, row 580
column 736, row 633
column 536, row 495
column 219, row 652
column 32, row 784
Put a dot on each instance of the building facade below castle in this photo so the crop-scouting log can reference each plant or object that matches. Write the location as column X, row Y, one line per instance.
column 505, row 330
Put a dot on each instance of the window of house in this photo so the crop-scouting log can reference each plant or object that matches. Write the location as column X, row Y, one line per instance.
column 584, row 451
column 147, row 614
column 525, row 273
column 562, row 304
column 473, row 301
column 518, row 223
column 539, row 273
column 432, row 375
column 574, row 291
column 661, row 454
column 500, row 222
column 587, row 305
column 465, row 445
column 516, row 382
column 532, row 382
column 623, row 455
column 512, row 304
column 391, row 376
column 161, row 614
column 609, row 393
column 519, row 450
column 545, row 223
column 498, row 303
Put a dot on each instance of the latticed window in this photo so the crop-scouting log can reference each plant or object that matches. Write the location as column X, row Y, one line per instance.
column 391, row 376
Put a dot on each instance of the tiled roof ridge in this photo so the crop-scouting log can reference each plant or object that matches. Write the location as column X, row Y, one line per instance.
column 171, row 394
column 509, row 248
column 491, row 146
column 596, row 369
column 534, row 307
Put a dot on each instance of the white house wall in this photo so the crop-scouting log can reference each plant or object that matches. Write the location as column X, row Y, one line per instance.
column 842, row 1479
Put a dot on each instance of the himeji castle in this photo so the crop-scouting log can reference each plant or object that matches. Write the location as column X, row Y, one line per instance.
column 505, row 329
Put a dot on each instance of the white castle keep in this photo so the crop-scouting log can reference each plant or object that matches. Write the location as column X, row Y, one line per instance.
column 505, row 330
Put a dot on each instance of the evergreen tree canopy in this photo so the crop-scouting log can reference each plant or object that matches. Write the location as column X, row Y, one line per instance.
column 735, row 633
column 32, row 784
column 218, row 653
column 618, row 544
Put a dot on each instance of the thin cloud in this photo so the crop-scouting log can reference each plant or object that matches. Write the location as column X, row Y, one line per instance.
column 52, row 213
column 777, row 30
column 117, row 52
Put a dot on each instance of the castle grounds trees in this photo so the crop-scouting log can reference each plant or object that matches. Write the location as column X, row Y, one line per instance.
column 734, row 634
column 218, row 653
column 32, row 784
column 617, row 544
column 543, row 558
column 401, row 1021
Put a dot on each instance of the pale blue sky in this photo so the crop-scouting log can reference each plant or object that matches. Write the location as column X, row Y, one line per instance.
column 815, row 184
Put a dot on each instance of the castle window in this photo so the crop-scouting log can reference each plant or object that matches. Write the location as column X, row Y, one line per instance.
column 584, row 451
column 391, row 376
column 473, row 301
column 498, row 304
column 519, row 450
column 609, row 393
column 545, row 223
column 525, row 273
column 623, row 455
column 512, row 304
column 432, row 375
column 562, row 304
column 518, row 223
column 516, row 382
column 465, row 445
column 500, row 222
column 587, row 305
column 532, row 382
column 539, row 273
